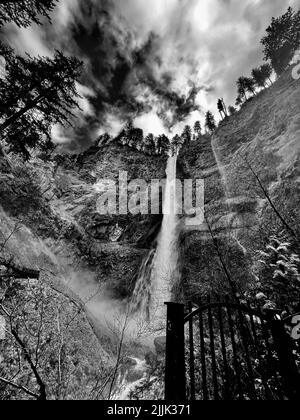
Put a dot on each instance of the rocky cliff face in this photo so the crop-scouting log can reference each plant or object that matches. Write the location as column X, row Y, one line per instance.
column 251, row 171
column 56, row 202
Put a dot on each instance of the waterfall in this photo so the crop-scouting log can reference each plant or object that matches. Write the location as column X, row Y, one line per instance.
column 160, row 269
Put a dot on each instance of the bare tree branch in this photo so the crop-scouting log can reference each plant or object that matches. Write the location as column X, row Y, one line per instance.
column 20, row 387
column 41, row 384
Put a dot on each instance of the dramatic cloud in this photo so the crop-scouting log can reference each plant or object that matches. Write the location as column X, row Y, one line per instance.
column 162, row 63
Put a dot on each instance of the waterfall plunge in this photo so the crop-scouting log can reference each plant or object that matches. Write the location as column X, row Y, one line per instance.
column 160, row 270
column 157, row 275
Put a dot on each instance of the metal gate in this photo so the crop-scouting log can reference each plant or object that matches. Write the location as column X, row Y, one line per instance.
column 229, row 351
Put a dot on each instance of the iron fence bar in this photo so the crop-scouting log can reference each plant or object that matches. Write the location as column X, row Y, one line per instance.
column 288, row 367
column 203, row 354
column 234, row 350
column 213, row 354
column 192, row 360
column 175, row 382
column 247, row 354
column 257, row 352
column 231, row 305
column 270, row 356
column 224, row 353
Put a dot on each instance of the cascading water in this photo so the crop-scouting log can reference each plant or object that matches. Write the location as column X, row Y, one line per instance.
column 157, row 275
column 160, row 270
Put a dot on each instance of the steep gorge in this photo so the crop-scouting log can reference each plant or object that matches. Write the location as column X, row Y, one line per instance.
column 49, row 220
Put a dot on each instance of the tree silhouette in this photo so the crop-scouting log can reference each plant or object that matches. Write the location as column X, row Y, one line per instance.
column 259, row 78
column 239, row 100
column 197, row 128
column 149, row 144
column 163, row 144
column 187, row 134
column 244, row 85
column 176, row 144
column 24, row 12
column 266, row 70
column 210, row 123
column 262, row 74
column 241, row 85
column 232, row 110
column 35, row 94
column 282, row 40
column 137, row 138
column 222, row 108
column 249, row 84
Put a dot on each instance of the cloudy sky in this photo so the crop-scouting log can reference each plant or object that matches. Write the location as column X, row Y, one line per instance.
column 163, row 63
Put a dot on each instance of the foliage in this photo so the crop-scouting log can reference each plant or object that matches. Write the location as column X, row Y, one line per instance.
column 277, row 271
column 163, row 144
column 222, row 108
column 244, row 85
column 24, row 12
column 266, row 71
column 149, row 144
column 134, row 137
column 232, row 110
column 210, row 123
column 35, row 94
column 282, row 40
column 259, row 78
column 197, row 129
column 46, row 339
column 176, row 144
column 262, row 74
column 187, row 134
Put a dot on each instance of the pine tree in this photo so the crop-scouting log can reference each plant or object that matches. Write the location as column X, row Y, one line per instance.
column 197, row 129
column 241, row 85
column 266, row 70
column 222, row 108
column 137, row 138
column 149, row 144
column 259, row 78
column 232, row 110
column 176, row 144
column 210, row 123
column 35, row 94
column 282, row 40
column 163, row 144
column 249, row 84
column 244, row 85
column 125, row 136
column 187, row 134
column 24, row 12
column 239, row 100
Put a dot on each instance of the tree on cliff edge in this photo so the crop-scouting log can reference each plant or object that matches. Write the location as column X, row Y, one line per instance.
column 210, row 123
column 282, row 40
column 23, row 12
column 35, row 94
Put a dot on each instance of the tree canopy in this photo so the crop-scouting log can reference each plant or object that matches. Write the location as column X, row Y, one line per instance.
column 210, row 122
column 36, row 93
column 282, row 40
column 24, row 12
